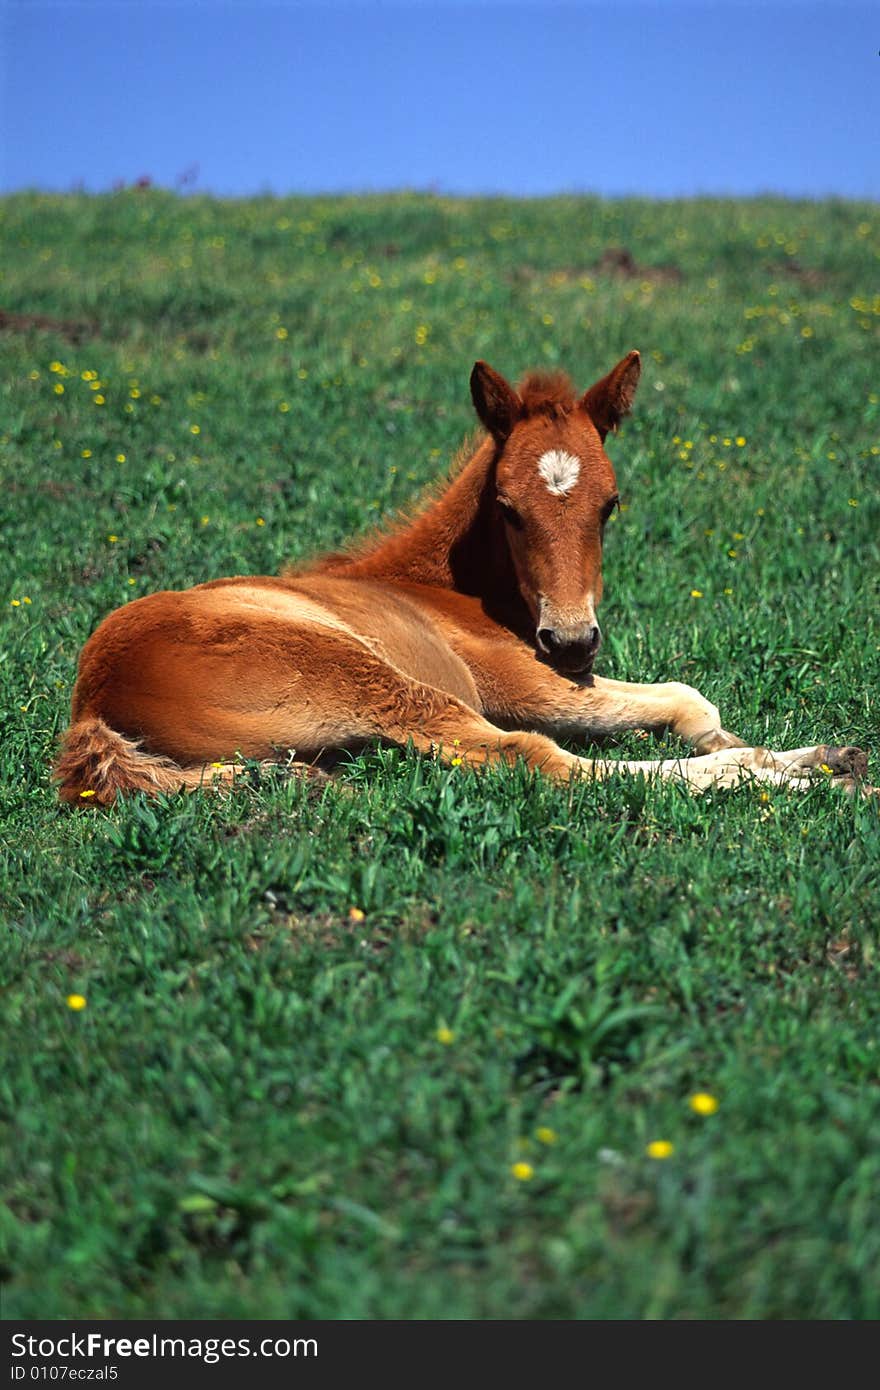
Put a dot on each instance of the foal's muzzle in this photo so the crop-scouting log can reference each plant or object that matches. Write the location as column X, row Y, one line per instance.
column 573, row 654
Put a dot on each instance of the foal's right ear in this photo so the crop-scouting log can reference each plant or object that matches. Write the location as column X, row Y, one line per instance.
column 495, row 401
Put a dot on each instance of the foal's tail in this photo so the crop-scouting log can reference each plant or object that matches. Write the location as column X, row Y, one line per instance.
column 95, row 764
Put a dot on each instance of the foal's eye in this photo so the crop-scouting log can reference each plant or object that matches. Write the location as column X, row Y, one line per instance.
column 510, row 514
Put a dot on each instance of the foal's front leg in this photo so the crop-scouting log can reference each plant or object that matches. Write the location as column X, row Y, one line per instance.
column 518, row 690
column 613, row 706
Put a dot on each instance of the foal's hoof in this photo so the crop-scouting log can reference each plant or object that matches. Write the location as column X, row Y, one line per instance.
column 844, row 762
column 715, row 740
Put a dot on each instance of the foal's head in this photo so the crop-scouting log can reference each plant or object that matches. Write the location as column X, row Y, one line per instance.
column 555, row 491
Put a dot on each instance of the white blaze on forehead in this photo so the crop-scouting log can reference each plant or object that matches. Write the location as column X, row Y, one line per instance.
column 559, row 470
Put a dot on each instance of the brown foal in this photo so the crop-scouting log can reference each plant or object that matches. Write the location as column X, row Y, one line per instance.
column 469, row 631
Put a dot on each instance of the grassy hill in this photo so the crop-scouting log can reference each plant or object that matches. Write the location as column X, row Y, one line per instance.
column 404, row 1053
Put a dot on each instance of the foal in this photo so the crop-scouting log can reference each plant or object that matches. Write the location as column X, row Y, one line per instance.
column 470, row 631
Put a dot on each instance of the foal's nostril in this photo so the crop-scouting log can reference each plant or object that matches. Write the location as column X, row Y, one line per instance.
column 550, row 641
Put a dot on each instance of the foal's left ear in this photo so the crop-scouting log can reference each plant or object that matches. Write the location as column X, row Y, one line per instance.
column 610, row 399
column 495, row 401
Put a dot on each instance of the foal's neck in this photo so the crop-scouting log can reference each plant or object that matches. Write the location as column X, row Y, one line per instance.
column 455, row 543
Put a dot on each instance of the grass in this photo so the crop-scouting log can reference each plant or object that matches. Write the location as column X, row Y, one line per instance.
column 321, row 1030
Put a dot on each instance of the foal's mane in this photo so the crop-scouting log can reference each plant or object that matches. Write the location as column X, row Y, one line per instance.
column 548, row 393
column 394, row 525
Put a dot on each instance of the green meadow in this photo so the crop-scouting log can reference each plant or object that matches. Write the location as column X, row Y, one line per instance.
column 425, row 1046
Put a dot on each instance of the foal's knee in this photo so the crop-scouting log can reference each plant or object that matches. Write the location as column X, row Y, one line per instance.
column 696, row 719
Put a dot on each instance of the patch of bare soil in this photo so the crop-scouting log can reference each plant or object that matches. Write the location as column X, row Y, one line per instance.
column 805, row 275
column 71, row 330
column 615, row 263
column 621, row 263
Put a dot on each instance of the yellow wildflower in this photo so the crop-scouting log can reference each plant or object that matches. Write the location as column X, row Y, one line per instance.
column 660, row 1148
column 702, row 1103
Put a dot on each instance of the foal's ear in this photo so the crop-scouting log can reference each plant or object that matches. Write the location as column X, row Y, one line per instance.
column 609, row 400
column 495, row 401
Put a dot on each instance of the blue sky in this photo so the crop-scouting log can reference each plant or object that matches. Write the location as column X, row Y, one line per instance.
column 657, row 98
